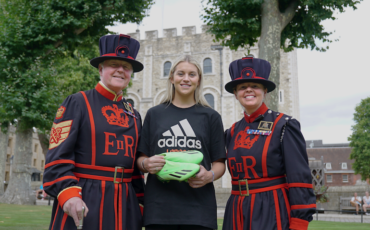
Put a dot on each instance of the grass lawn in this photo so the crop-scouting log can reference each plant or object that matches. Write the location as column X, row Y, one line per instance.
column 325, row 225
column 24, row 217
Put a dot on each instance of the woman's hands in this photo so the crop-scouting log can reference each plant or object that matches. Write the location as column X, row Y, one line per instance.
column 202, row 178
column 153, row 164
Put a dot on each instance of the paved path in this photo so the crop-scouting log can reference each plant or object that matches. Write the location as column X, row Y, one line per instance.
column 44, row 202
column 324, row 217
column 342, row 218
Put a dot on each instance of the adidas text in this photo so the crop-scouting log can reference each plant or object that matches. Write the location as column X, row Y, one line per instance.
column 179, row 142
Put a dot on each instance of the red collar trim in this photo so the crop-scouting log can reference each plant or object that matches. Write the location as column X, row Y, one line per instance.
column 107, row 93
column 260, row 111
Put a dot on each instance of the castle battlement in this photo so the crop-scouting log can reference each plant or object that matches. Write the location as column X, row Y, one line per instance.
column 152, row 35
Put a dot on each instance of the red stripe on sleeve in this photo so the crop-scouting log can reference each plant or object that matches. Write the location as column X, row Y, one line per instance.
column 300, row 185
column 46, row 184
column 138, row 177
column 298, row 224
column 266, row 146
column 59, row 162
column 92, row 123
column 139, row 194
column 277, row 210
column 303, row 206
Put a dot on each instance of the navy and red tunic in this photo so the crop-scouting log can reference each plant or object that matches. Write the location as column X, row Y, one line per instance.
column 271, row 180
column 91, row 155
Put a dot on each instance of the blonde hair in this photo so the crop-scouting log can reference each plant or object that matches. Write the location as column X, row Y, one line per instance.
column 198, row 94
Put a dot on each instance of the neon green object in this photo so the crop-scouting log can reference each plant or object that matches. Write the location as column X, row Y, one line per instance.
column 177, row 171
column 191, row 156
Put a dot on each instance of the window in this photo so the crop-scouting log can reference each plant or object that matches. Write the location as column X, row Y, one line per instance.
column 10, row 142
column 345, row 178
column 329, row 178
column 328, row 165
column 6, row 176
column 344, row 165
column 281, row 96
column 207, row 65
column 210, row 100
column 131, row 102
column 34, row 162
column 166, row 68
column 42, row 163
column 35, row 177
column 36, row 148
column 8, row 158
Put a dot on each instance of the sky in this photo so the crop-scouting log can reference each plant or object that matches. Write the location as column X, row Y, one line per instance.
column 331, row 83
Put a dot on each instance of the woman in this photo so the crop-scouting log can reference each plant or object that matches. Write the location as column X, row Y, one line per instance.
column 267, row 159
column 183, row 121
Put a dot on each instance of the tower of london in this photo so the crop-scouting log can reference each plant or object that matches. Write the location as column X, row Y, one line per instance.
column 158, row 54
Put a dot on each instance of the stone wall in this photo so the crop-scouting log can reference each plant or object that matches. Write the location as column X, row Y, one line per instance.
column 334, row 192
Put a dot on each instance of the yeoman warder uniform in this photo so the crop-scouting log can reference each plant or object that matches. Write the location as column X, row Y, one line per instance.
column 267, row 160
column 92, row 151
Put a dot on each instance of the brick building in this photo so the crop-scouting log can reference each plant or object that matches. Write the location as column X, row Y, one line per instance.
column 336, row 163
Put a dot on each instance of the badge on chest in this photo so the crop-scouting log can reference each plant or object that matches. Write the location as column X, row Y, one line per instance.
column 128, row 109
column 264, row 128
column 265, row 125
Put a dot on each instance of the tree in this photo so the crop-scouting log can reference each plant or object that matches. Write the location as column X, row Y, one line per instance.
column 34, row 37
column 3, row 148
column 274, row 24
column 360, row 140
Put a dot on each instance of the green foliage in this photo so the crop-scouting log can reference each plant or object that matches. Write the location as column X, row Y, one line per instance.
column 237, row 23
column 45, row 48
column 321, row 195
column 360, row 139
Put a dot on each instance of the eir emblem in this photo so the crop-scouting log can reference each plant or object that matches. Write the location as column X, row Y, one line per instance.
column 244, row 140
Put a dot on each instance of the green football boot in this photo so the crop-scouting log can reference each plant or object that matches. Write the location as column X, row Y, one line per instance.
column 191, row 156
column 177, row 171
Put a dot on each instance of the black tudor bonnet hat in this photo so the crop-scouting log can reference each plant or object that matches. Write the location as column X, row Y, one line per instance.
column 249, row 69
column 121, row 47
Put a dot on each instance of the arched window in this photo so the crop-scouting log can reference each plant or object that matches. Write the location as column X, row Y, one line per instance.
column 131, row 102
column 210, row 100
column 166, row 68
column 207, row 65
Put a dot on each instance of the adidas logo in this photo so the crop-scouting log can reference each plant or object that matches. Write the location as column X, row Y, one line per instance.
column 177, row 138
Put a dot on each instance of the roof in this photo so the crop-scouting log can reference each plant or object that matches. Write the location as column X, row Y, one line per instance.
column 335, row 156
